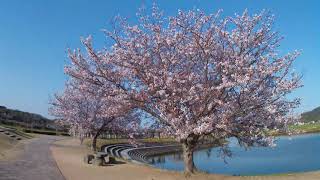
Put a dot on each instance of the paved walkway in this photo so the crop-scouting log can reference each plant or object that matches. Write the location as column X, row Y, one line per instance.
column 36, row 163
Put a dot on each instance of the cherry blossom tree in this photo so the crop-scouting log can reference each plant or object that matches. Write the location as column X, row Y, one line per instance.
column 199, row 75
column 87, row 110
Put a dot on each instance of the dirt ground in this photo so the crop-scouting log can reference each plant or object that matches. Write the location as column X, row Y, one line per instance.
column 69, row 154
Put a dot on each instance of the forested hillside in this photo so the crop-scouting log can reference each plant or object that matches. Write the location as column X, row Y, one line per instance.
column 313, row 115
column 24, row 119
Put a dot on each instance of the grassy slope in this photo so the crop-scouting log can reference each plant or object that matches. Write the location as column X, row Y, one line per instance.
column 18, row 131
column 6, row 143
column 10, row 147
column 28, row 131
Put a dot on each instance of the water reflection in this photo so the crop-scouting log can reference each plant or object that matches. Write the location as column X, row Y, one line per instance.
column 208, row 152
column 157, row 159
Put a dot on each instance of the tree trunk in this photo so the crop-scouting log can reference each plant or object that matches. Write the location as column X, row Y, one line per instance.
column 95, row 137
column 81, row 139
column 188, row 146
column 94, row 142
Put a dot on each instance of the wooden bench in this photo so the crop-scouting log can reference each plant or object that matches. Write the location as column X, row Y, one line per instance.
column 88, row 158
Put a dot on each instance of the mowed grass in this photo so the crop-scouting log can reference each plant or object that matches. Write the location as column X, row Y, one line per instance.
column 6, row 143
column 305, row 128
column 17, row 131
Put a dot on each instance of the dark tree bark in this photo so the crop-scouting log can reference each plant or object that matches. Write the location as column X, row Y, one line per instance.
column 94, row 142
column 188, row 147
column 95, row 137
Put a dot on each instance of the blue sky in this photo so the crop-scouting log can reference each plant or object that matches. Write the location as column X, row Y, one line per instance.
column 35, row 34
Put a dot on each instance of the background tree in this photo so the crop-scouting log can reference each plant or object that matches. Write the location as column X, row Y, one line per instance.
column 199, row 75
column 90, row 111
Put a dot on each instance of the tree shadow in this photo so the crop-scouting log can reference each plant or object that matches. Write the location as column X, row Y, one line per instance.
column 115, row 162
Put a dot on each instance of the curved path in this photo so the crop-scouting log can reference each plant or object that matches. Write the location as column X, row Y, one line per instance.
column 36, row 162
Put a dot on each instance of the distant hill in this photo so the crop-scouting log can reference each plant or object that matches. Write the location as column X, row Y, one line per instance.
column 313, row 115
column 24, row 119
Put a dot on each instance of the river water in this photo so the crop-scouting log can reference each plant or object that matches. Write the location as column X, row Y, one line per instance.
column 291, row 154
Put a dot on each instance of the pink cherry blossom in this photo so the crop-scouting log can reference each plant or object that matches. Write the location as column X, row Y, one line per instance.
column 198, row 75
column 88, row 110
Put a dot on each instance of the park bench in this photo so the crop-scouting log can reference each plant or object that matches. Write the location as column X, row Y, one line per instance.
column 99, row 159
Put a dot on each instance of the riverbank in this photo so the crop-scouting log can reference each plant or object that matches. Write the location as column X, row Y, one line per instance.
column 307, row 128
column 69, row 154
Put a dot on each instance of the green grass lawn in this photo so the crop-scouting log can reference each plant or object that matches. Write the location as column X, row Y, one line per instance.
column 305, row 128
column 18, row 131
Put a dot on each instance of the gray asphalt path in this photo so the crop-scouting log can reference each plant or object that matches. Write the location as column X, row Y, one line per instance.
column 36, row 163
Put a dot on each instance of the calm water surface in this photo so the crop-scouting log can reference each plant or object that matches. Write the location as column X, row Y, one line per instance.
column 292, row 154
